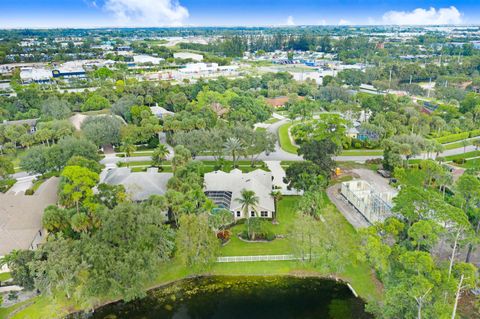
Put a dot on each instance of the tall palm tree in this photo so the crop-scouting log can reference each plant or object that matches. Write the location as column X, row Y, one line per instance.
column 249, row 201
column 160, row 154
column 233, row 146
column 128, row 149
column 277, row 196
column 476, row 143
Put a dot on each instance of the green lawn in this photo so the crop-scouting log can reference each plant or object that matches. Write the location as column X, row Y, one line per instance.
column 457, row 145
column 5, row 276
column 463, row 155
column 271, row 120
column 279, row 246
column 361, row 153
column 284, row 139
column 475, row 163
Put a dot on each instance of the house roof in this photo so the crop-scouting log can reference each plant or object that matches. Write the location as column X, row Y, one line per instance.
column 21, row 216
column 258, row 181
column 139, row 185
column 30, row 122
column 160, row 111
column 279, row 100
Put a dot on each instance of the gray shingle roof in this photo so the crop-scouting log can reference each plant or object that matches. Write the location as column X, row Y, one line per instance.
column 258, row 181
column 139, row 185
column 21, row 216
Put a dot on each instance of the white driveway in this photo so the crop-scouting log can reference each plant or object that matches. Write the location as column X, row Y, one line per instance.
column 278, row 174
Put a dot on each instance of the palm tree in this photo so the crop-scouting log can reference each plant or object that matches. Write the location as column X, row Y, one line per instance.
column 438, row 148
column 277, row 196
column 128, row 149
column 406, row 151
column 476, row 143
column 233, row 146
column 249, row 201
column 160, row 154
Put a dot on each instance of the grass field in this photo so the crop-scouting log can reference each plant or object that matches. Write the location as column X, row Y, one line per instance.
column 463, row 156
column 284, row 139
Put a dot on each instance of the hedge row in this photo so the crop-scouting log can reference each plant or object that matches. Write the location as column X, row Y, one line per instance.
column 453, row 137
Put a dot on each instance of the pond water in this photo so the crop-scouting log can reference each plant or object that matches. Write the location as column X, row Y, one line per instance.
column 242, row 297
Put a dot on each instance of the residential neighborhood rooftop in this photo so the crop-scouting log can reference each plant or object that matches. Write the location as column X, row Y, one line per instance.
column 21, row 217
column 139, row 185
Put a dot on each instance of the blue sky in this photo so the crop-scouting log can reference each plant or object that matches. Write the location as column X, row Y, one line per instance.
column 87, row 13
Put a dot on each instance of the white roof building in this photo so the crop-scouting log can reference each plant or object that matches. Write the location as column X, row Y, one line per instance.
column 160, row 112
column 141, row 59
column 200, row 68
column 225, row 190
column 31, row 74
column 188, row 55
column 139, row 185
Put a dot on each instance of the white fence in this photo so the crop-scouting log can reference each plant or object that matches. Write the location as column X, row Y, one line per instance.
column 237, row 259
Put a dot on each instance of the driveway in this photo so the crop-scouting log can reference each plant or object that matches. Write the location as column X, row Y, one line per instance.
column 278, row 174
column 22, row 184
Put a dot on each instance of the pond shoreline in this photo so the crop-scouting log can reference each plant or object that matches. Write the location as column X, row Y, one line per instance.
column 298, row 275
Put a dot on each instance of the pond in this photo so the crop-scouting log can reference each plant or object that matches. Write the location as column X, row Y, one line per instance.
column 242, row 297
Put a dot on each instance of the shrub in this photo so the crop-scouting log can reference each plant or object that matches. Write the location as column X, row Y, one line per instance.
column 459, row 161
column 29, row 191
column 452, row 137
column 6, row 184
column 475, row 133
column 224, row 235
column 374, row 161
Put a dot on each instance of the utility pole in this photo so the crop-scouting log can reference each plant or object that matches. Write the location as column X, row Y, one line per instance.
column 429, row 87
column 410, row 79
column 390, row 80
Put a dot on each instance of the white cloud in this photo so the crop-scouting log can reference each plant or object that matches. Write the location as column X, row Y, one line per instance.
column 422, row 16
column 344, row 22
column 91, row 3
column 147, row 12
column 290, row 21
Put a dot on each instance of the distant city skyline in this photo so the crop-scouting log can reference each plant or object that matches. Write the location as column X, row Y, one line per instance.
column 158, row 13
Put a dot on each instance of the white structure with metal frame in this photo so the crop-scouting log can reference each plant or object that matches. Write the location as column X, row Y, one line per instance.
column 373, row 205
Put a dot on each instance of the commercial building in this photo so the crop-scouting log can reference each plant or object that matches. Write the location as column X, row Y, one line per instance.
column 35, row 75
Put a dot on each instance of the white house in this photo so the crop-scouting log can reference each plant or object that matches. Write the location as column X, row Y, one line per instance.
column 160, row 112
column 188, row 55
column 225, row 189
column 141, row 59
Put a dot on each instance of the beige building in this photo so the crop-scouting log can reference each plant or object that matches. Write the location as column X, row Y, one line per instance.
column 21, row 217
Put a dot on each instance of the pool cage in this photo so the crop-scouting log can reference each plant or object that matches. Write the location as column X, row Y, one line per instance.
column 220, row 198
column 374, row 206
